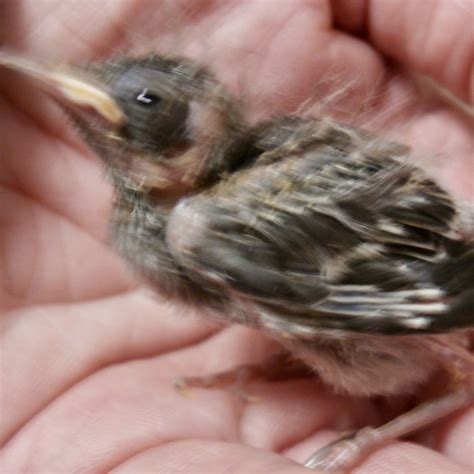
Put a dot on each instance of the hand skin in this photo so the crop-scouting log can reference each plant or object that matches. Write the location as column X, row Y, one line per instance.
column 88, row 357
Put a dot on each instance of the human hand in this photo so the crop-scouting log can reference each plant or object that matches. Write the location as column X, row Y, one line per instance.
column 89, row 358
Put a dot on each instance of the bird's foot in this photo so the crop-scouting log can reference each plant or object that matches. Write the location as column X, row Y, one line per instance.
column 346, row 452
column 279, row 366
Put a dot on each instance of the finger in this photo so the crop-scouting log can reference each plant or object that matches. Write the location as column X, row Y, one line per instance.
column 39, row 160
column 46, row 350
column 208, row 456
column 47, row 259
column 407, row 457
column 453, row 438
column 126, row 408
column 115, row 414
column 394, row 458
column 95, row 427
column 433, row 37
column 63, row 30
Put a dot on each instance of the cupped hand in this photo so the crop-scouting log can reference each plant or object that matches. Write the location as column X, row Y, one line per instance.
column 88, row 356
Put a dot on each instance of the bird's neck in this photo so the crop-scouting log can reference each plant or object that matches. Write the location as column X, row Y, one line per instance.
column 189, row 167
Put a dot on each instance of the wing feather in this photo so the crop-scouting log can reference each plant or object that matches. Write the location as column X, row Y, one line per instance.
column 336, row 239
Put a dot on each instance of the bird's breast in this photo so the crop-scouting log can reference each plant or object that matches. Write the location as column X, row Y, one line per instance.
column 139, row 228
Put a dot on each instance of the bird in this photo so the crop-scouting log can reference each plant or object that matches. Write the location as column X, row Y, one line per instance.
column 324, row 236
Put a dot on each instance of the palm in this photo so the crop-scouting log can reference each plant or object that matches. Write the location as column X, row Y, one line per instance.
column 89, row 359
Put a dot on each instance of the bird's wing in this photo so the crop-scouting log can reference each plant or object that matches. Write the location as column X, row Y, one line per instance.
column 336, row 239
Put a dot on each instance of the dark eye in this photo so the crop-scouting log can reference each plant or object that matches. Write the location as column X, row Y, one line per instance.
column 156, row 114
column 147, row 99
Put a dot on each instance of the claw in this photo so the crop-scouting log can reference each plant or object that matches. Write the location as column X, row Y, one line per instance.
column 181, row 385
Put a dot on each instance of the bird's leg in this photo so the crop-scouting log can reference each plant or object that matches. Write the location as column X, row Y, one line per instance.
column 279, row 366
column 349, row 450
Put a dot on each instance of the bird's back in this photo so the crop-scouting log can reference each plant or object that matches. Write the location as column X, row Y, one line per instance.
column 343, row 233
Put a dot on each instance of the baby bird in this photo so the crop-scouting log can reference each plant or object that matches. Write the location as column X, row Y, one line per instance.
column 323, row 236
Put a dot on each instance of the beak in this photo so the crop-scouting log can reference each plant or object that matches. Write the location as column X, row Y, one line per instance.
column 67, row 83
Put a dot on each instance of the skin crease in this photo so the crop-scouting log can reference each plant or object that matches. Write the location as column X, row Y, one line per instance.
column 88, row 357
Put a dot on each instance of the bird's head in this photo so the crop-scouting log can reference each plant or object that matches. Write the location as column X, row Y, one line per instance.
column 160, row 124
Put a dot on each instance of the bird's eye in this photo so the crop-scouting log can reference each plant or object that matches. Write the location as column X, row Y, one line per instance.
column 145, row 98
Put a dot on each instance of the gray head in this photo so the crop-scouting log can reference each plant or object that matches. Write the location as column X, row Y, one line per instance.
column 157, row 122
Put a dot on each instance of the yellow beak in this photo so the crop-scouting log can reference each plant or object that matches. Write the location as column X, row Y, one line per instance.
column 69, row 85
